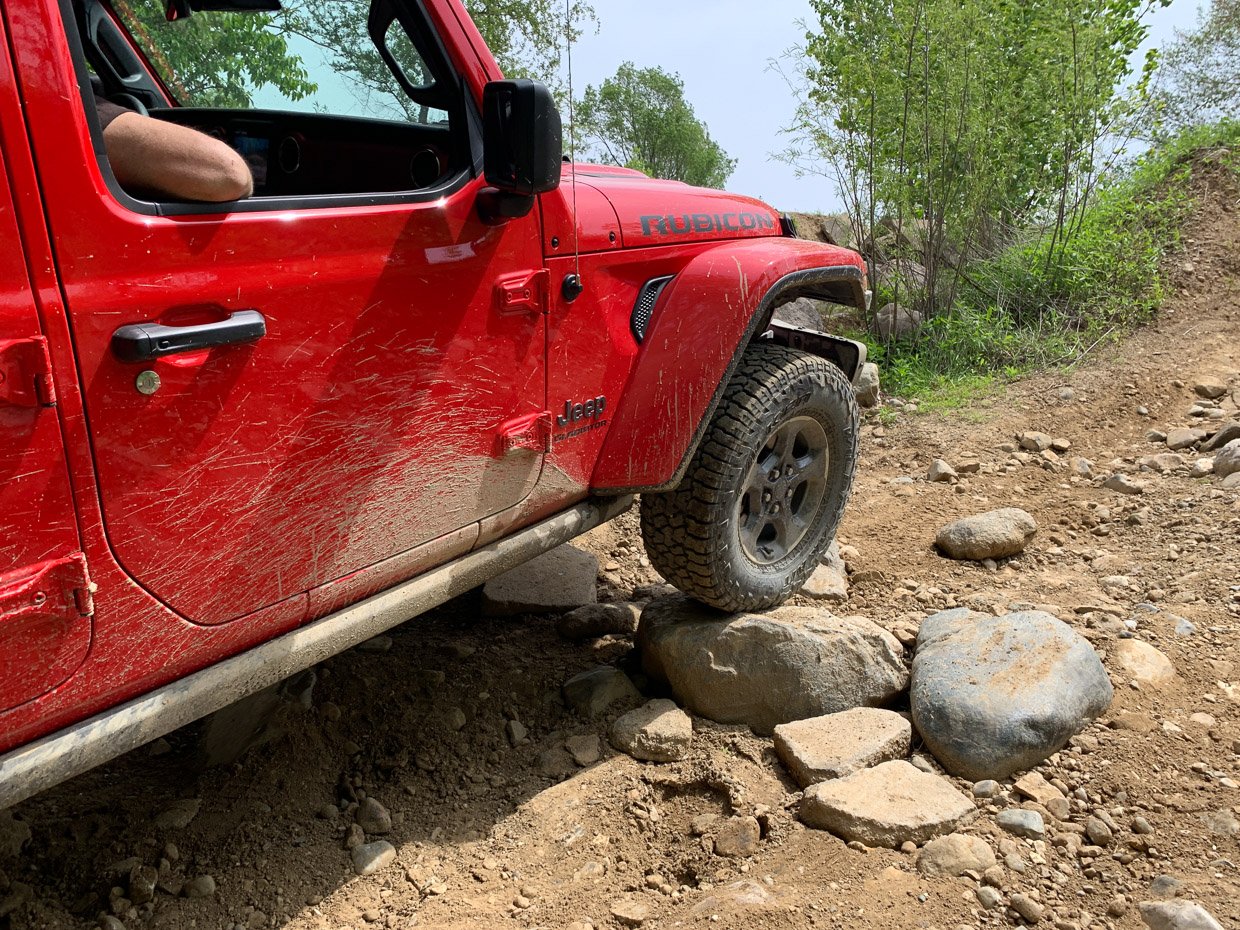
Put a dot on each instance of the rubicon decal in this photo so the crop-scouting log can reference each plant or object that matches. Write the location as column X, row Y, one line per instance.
column 687, row 224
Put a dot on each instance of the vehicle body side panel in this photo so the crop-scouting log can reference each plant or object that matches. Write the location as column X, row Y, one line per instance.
column 701, row 323
column 43, row 639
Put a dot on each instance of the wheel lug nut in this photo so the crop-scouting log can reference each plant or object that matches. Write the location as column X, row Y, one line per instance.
column 788, row 472
column 774, row 475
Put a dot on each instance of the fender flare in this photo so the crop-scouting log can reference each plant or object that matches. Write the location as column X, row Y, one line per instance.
column 704, row 320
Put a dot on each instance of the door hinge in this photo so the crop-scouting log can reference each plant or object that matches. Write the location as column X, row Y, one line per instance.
column 26, row 373
column 524, row 292
column 60, row 588
column 532, row 431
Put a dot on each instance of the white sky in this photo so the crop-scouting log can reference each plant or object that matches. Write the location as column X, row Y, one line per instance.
column 721, row 49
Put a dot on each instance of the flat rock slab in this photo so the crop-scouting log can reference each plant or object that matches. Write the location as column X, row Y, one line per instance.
column 835, row 745
column 554, row 583
column 996, row 695
column 890, row 804
column 766, row 669
column 658, row 731
column 993, row 535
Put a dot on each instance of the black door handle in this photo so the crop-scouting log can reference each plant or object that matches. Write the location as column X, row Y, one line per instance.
column 139, row 342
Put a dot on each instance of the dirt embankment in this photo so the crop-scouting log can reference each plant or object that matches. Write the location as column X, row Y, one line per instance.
column 498, row 825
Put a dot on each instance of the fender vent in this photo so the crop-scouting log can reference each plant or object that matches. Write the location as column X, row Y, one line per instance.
column 646, row 300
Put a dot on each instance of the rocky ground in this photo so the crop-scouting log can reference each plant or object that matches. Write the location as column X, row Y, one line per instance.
column 444, row 777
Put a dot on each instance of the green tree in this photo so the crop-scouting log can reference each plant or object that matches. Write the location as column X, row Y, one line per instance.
column 222, row 59
column 640, row 119
column 947, row 125
column 1197, row 80
column 219, row 59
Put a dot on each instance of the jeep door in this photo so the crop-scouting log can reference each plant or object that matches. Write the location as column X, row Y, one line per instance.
column 368, row 417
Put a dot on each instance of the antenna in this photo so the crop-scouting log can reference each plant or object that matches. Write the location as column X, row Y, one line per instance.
column 572, row 286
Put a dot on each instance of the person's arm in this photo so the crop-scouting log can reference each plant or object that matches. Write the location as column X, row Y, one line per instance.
column 150, row 154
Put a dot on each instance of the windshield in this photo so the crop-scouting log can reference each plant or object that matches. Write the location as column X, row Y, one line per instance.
column 312, row 56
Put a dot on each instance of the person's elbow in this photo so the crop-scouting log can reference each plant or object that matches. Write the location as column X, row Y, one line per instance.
column 233, row 179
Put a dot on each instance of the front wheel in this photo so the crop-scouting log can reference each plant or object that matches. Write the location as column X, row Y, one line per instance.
column 765, row 491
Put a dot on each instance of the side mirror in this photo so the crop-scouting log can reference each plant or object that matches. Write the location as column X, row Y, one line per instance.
column 522, row 140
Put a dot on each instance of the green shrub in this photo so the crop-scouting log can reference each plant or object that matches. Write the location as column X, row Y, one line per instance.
column 1043, row 303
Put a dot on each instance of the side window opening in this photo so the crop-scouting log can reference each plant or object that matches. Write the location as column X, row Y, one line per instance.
column 321, row 97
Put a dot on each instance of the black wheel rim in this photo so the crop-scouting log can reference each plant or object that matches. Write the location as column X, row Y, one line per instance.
column 783, row 491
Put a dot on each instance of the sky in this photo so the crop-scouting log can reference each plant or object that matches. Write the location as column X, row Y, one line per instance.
column 722, row 50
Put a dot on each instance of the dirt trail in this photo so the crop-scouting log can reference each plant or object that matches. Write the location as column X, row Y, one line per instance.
column 489, row 834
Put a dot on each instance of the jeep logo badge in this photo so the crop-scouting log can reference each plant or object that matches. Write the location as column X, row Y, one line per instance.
column 588, row 410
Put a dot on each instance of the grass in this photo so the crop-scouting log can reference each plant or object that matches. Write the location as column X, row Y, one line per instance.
column 1038, row 305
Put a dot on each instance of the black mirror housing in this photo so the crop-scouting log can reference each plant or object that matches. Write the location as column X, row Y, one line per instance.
column 522, row 137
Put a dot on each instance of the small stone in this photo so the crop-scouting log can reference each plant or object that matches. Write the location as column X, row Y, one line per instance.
column 142, row 882
column 1203, row 720
column 1177, row 915
column 595, row 620
column 591, row 693
column 630, row 912
column 1184, row 438
column 701, row 824
column 829, row 580
column 1026, row 907
column 373, row 817
column 986, row 789
column 1124, row 485
column 1034, row 442
column 1098, row 832
column 1202, row 468
column 454, row 719
column 941, row 471
column 988, row 897
column 14, row 835
column 1209, row 388
column 1164, row 887
column 177, row 816
column 1141, row 826
column 354, row 836
column 659, row 731
column 1034, row 786
column 739, row 836
column 371, row 857
column 585, row 750
column 1140, row 661
column 108, row 922
column 994, row 535
column 954, row 855
column 1020, row 822
column 516, row 732
column 201, row 886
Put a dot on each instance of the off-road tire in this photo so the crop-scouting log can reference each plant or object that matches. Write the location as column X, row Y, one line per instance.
column 693, row 534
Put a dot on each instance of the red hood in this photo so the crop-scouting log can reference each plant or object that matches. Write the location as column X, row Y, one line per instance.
column 654, row 212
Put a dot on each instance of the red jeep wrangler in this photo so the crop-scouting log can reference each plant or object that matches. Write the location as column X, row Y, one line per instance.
column 238, row 438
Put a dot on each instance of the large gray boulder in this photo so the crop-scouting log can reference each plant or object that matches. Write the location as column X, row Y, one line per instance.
column 995, row 695
column 993, row 535
column 766, row 669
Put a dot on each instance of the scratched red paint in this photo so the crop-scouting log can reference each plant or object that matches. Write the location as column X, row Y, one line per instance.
column 360, row 441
